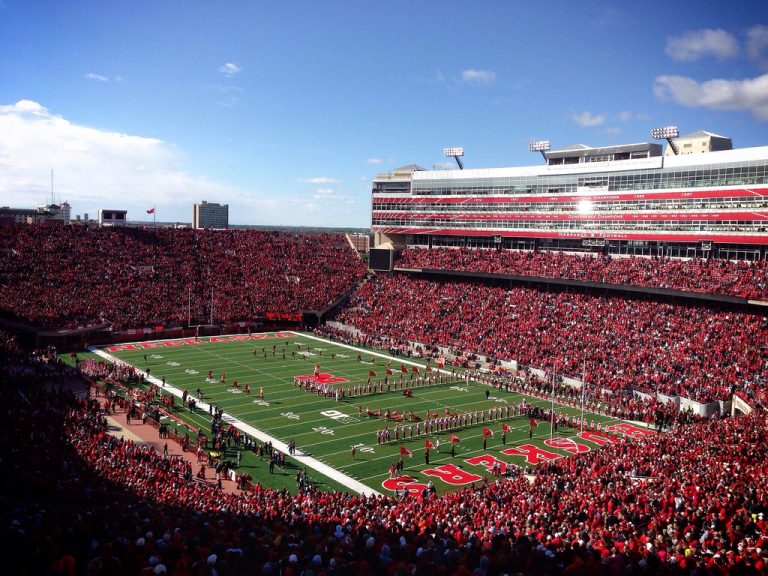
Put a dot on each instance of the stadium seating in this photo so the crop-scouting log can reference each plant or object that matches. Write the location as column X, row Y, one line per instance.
column 746, row 279
column 692, row 502
column 64, row 277
column 79, row 501
column 618, row 343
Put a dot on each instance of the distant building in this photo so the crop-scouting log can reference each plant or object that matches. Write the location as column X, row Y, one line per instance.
column 361, row 242
column 43, row 213
column 698, row 142
column 17, row 215
column 210, row 215
column 65, row 212
column 54, row 212
column 110, row 217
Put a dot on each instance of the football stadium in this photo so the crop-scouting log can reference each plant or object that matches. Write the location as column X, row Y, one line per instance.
column 551, row 369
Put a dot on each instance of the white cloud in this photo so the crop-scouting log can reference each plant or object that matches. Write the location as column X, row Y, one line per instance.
column 223, row 88
column 478, row 77
column 698, row 44
column 24, row 107
column 229, row 69
column 587, row 119
column 97, row 77
column 319, row 180
column 101, row 78
column 95, row 169
column 750, row 95
column 374, row 161
column 327, row 193
column 757, row 42
column 626, row 116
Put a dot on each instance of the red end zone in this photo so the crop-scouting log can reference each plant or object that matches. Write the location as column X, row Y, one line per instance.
column 193, row 341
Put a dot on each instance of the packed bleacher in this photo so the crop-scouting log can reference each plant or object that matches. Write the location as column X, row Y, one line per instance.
column 79, row 501
column 714, row 276
column 618, row 344
column 70, row 276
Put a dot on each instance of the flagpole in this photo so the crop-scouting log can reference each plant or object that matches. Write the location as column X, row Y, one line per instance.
column 189, row 308
column 552, row 419
column 583, row 387
column 154, row 217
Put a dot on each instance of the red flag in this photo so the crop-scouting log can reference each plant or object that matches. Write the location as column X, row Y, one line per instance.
column 405, row 452
column 403, row 369
column 371, row 373
column 415, row 369
column 455, row 438
column 487, row 432
column 389, row 371
column 505, row 427
column 151, row 210
column 534, row 424
column 428, row 444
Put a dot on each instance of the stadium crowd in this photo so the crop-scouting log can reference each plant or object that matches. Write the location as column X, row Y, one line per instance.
column 648, row 409
column 616, row 343
column 716, row 276
column 79, row 501
column 69, row 276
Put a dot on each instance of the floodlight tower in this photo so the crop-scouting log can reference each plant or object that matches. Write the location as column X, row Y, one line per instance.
column 456, row 153
column 667, row 133
column 539, row 146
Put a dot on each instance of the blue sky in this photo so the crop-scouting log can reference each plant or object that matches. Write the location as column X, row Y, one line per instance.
column 287, row 110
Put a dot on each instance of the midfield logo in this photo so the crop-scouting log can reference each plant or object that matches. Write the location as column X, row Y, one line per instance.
column 323, row 378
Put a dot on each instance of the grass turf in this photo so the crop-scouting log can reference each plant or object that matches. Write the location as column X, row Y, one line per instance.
column 327, row 429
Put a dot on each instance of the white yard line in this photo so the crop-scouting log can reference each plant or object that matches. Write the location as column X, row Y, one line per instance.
column 372, row 353
column 304, row 459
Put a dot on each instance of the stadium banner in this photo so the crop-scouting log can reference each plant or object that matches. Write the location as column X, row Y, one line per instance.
column 709, row 236
column 740, row 404
column 568, row 198
column 284, row 316
column 571, row 216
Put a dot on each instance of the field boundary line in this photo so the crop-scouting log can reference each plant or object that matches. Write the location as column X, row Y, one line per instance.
column 422, row 365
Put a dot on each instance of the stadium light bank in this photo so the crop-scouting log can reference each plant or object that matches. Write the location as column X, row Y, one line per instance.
column 455, row 152
column 539, row 146
column 667, row 133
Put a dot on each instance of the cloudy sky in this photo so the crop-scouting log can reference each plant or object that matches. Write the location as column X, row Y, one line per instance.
column 287, row 110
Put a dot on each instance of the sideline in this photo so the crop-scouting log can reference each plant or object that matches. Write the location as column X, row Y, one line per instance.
column 304, row 459
column 114, row 428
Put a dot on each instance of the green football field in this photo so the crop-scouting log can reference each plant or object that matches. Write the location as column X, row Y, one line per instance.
column 325, row 430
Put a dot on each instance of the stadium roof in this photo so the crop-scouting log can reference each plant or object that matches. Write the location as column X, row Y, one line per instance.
column 408, row 168
column 700, row 134
column 574, row 147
